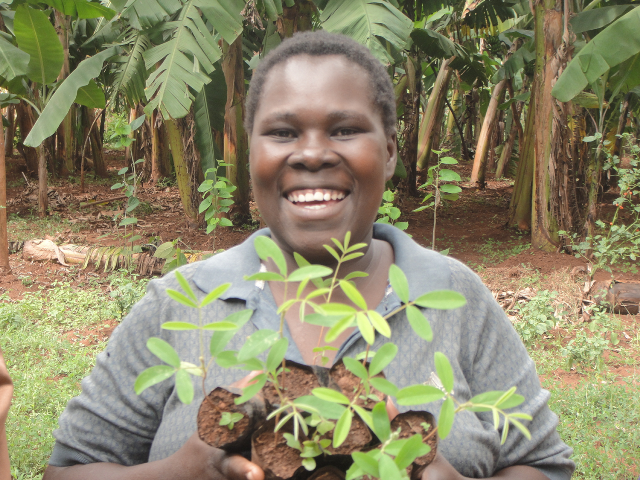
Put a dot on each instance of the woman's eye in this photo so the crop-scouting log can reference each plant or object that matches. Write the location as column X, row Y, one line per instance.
column 282, row 134
column 346, row 132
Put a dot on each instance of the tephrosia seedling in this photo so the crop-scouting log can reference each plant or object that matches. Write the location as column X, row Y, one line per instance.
column 317, row 425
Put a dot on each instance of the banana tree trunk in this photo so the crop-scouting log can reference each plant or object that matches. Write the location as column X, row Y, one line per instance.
column 431, row 113
column 235, row 138
column 165, row 152
column 411, row 100
column 155, row 148
column 451, row 119
column 10, row 132
column 25, row 122
column 520, row 205
column 5, row 268
column 96, row 145
column 66, row 146
column 295, row 19
column 183, row 178
column 622, row 122
column 43, row 200
column 482, row 148
column 553, row 185
column 507, row 150
column 471, row 99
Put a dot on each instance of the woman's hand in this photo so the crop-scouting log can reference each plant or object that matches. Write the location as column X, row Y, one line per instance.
column 194, row 461
column 6, row 393
column 441, row 469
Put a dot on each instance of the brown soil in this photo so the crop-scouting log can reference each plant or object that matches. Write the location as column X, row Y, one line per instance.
column 358, row 438
column 327, row 473
column 270, row 452
column 237, row 439
column 299, row 381
column 349, row 384
column 410, row 423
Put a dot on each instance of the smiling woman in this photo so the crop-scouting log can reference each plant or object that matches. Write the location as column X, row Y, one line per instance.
column 321, row 117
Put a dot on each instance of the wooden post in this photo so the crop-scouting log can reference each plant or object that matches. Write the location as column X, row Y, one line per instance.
column 5, row 268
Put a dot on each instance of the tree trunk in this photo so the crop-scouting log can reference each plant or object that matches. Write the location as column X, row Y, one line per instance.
column 182, row 172
column 66, row 144
column 235, row 138
column 165, row 150
column 471, row 99
column 155, row 148
column 43, row 199
column 5, row 268
column 553, row 187
column 25, row 121
column 10, row 132
column 622, row 122
column 451, row 119
column 433, row 112
column 295, row 19
column 507, row 150
column 411, row 100
column 482, row 148
column 96, row 145
column 520, row 205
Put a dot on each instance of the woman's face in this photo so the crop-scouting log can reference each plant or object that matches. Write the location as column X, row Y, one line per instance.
column 319, row 154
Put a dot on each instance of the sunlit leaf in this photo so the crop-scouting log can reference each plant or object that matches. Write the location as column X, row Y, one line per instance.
column 441, row 300
column 418, row 395
column 184, row 387
column 163, row 351
column 152, row 376
column 445, row 420
column 444, row 370
column 383, row 357
column 342, row 428
column 419, row 323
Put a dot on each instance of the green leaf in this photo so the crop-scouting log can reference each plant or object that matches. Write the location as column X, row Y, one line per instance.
column 208, row 115
column 612, row 46
column 137, row 123
column 225, row 17
column 441, row 300
column 179, row 326
column 597, row 18
column 364, row 325
column 215, row 294
column 383, row 357
column 13, row 61
column 169, row 87
column 185, row 286
column 381, row 425
column 181, row 298
column 343, row 425
column 151, row 376
column 524, row 430
column 37, row 37
column 388, row 468
column 369, row 22
column 250, row 391
column 127, row 221
column 367, row 463
column 444, row 370
column 311, row 404
column 448, row 188
column 399, row 283
column 418, row 395
column 355, row 367
column 266, row 248
column 435, row 44
column 220, row 326
column 184, row 387
column 265, row 277
column 163, row 351
column 384, row 385
column 365, row 415
column 379, row 323
column 257, row 343
column 310, row 272
column 91, row 96
column 276, row 354
column 353, row 294
column 220, row 339
column 447, row 175
column 412, row 449
column 131, row 73
column 330, row 395
column 445, row 420
column 339, row 327
column 511, row 402
column 61, row 101
column 419, row 323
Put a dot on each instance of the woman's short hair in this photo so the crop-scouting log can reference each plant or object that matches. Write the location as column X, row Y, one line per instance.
column 322, row 43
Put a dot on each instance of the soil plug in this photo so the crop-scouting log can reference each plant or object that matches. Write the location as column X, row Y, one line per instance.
column 298, row 381
column 424, row 424
column 219, row 424
column 269, row 450
column 328, row 473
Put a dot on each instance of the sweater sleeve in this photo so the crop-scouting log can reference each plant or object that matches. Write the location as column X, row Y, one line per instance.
column 108, row 422
column 497, row 360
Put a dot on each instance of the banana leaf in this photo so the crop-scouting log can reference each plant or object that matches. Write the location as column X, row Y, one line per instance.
column 13, row 61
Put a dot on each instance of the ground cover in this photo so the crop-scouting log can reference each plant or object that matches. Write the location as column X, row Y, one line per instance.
column 54, row 320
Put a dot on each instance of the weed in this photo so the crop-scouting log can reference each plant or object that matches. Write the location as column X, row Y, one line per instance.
column 27, row 280
column 390, row 213
column 586, row 350
column 218, row 199
column 537, row 317
column 31, row 226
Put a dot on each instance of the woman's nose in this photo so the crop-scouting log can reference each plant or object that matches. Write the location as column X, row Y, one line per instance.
column 313, row 152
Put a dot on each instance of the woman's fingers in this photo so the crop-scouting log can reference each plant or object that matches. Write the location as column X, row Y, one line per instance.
column 235, row 467
column 392, row 410
column 244, row 382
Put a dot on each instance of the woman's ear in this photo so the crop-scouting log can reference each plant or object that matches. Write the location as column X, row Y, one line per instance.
column 392, row 150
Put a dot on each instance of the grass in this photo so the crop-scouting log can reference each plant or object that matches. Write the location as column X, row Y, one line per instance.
column 31, row 226
column 45, row 365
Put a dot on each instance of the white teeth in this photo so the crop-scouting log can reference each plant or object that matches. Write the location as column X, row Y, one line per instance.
column 315, row 207
column 315, row 195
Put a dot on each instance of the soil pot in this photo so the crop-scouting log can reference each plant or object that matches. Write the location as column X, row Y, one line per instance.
column 269, row 450
column 328, row 473
column 409, row 424
column 299, row 380
column 237, row 439
column 348, row 384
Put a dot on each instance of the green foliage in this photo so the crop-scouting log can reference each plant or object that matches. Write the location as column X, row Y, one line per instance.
column 217, row 199
column 586, row 349
column 172, row 254
column 328, row 409
column 389, row 213
column 537, row 317
column 230, row 419
column 440, row 191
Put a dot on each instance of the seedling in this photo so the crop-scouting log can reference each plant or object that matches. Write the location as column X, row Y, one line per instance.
column 230, row 419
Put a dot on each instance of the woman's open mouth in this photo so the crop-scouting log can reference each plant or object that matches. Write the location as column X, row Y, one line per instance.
column 316, row 198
